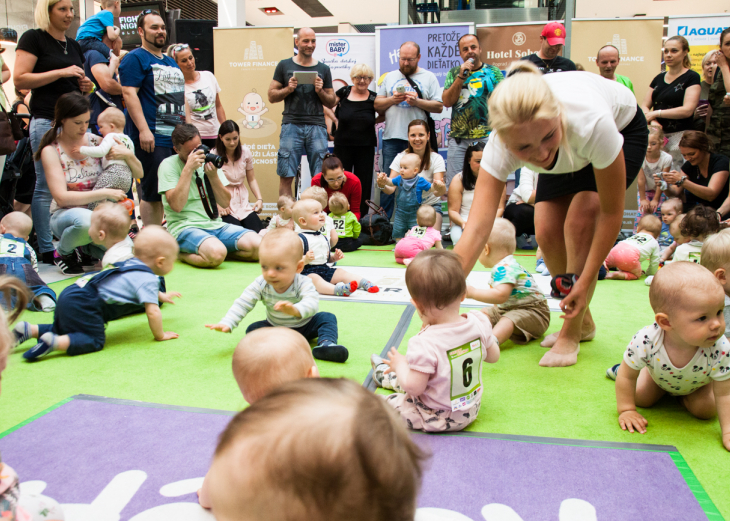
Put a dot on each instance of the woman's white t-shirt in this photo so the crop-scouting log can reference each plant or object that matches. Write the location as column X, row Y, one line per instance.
column 596, row 110
column 201, row 96
column 437, row 165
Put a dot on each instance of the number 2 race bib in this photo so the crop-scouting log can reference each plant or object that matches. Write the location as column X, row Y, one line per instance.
column 11, row 248
column 466, row 374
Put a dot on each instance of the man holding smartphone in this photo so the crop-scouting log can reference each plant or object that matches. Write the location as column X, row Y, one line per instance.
column 467, row 89
column 303, row 128
column 398, row 100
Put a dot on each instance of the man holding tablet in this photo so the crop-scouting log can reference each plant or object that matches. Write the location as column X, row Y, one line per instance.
column 305, row 86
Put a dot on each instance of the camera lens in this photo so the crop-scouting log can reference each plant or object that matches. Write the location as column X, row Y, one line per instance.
column 211, row 158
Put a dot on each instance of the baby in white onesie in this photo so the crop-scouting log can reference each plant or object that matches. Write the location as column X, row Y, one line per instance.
column 116, row 173
column 681, row 353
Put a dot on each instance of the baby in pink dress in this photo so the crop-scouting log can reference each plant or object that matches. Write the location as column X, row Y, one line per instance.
column 438, row 382
column 419, row 238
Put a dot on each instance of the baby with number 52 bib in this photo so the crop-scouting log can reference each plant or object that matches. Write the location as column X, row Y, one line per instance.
column 439, row 380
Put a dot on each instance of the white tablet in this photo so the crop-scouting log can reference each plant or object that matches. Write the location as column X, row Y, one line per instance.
column 305, row 78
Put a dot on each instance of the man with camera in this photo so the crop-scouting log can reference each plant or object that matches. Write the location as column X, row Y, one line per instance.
column 190, row 185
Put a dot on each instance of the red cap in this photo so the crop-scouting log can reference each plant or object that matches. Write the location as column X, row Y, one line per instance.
column 555, row 33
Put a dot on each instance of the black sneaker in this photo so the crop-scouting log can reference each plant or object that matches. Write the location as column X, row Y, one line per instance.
column 84, row 258
column 69, row 264
column 331, row 353
column 47, row 257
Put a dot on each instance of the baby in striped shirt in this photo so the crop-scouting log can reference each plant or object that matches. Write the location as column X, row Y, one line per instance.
column 290, row 298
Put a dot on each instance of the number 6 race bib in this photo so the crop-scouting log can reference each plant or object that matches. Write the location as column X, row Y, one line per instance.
column 466, row 374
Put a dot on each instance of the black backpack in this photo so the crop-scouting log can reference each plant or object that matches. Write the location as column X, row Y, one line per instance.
column 376, row 227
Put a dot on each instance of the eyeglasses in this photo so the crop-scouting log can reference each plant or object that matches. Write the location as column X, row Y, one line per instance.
column 180, row 47
column 363, row 78
column 409, row 60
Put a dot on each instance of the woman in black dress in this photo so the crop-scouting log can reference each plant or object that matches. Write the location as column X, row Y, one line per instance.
column 355, row 138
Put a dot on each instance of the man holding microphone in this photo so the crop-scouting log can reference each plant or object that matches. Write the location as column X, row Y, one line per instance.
column 466, row 90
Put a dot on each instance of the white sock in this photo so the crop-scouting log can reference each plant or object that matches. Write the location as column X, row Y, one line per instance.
column 46, row 302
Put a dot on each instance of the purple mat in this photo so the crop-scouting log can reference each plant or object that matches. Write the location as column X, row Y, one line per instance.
column 130, row 460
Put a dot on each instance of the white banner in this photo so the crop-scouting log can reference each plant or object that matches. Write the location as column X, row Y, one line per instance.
column 702, row 33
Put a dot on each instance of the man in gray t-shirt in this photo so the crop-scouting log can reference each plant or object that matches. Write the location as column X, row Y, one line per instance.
column 398, row 100
column 303, row 129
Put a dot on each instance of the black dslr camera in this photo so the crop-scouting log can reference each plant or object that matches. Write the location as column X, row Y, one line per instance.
column 210, row 158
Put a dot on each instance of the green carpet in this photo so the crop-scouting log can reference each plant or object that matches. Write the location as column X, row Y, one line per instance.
column 519, row 396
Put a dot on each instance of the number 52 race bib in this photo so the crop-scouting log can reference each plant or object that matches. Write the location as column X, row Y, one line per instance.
column 466, row 374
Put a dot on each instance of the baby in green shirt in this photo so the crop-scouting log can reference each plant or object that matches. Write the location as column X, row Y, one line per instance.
column 347, row 226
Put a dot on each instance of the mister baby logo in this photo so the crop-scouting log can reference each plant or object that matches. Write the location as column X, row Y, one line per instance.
column 253, row 56
column 338, row 47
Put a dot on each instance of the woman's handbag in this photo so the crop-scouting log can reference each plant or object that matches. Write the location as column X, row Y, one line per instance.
column 7, row 134
column 376, row 227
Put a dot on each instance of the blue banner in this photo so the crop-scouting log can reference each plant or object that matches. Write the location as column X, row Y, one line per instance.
column 439, row 46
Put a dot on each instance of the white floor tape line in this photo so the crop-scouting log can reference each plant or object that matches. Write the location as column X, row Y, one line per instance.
column 393, row 290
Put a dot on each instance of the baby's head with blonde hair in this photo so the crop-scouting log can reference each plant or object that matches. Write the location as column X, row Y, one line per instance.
column 675, row 230
column 17, row 224
column 650, row 224
column 304, row 209
column 679, row 282
column 316, row 450
column 282, row 243
column 434, row 281
column 501, row 243
column 339, row 205
column 285, row 205
column 715, row 256
column 155, row 247
column 109, row 224
column 317, row 193
column 269, row 357
column 524, row 97
column 426, row 216
column 111, row 120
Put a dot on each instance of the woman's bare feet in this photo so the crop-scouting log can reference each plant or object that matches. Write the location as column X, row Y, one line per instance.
column 588, row 334
column 561, row 355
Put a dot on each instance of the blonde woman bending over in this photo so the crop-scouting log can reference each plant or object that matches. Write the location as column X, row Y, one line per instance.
column 590, row 137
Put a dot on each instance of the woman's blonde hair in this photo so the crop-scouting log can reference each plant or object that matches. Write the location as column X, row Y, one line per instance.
column 361, row 69
column 522, row 97
column 42, row 10
column 10, row 288
column 687, row 62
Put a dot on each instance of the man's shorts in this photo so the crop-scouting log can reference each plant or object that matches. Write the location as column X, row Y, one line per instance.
column 190, row 239
column 147, row 186
column 531, row 320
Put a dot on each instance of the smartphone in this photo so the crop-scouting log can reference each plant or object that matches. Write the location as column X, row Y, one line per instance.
column 305, row 77
column 400, row 89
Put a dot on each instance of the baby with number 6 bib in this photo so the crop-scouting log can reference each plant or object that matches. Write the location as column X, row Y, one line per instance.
column 438, row 382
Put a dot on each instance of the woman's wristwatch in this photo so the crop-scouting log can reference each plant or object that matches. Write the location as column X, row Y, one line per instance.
column 681, row 181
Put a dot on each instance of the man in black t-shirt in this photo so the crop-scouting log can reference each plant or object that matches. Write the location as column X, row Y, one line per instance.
column 552, row 40
column 303, row 129
column 101, row 70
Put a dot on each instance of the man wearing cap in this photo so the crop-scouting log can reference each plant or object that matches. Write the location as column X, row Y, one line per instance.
column 546, row 59
column 607, row 60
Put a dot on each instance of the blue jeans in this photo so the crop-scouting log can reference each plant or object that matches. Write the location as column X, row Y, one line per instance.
column 72, row 226
column 41, row 205
column 296, row 140
column 391, row 148
column 322, row 326
column 190, row 239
